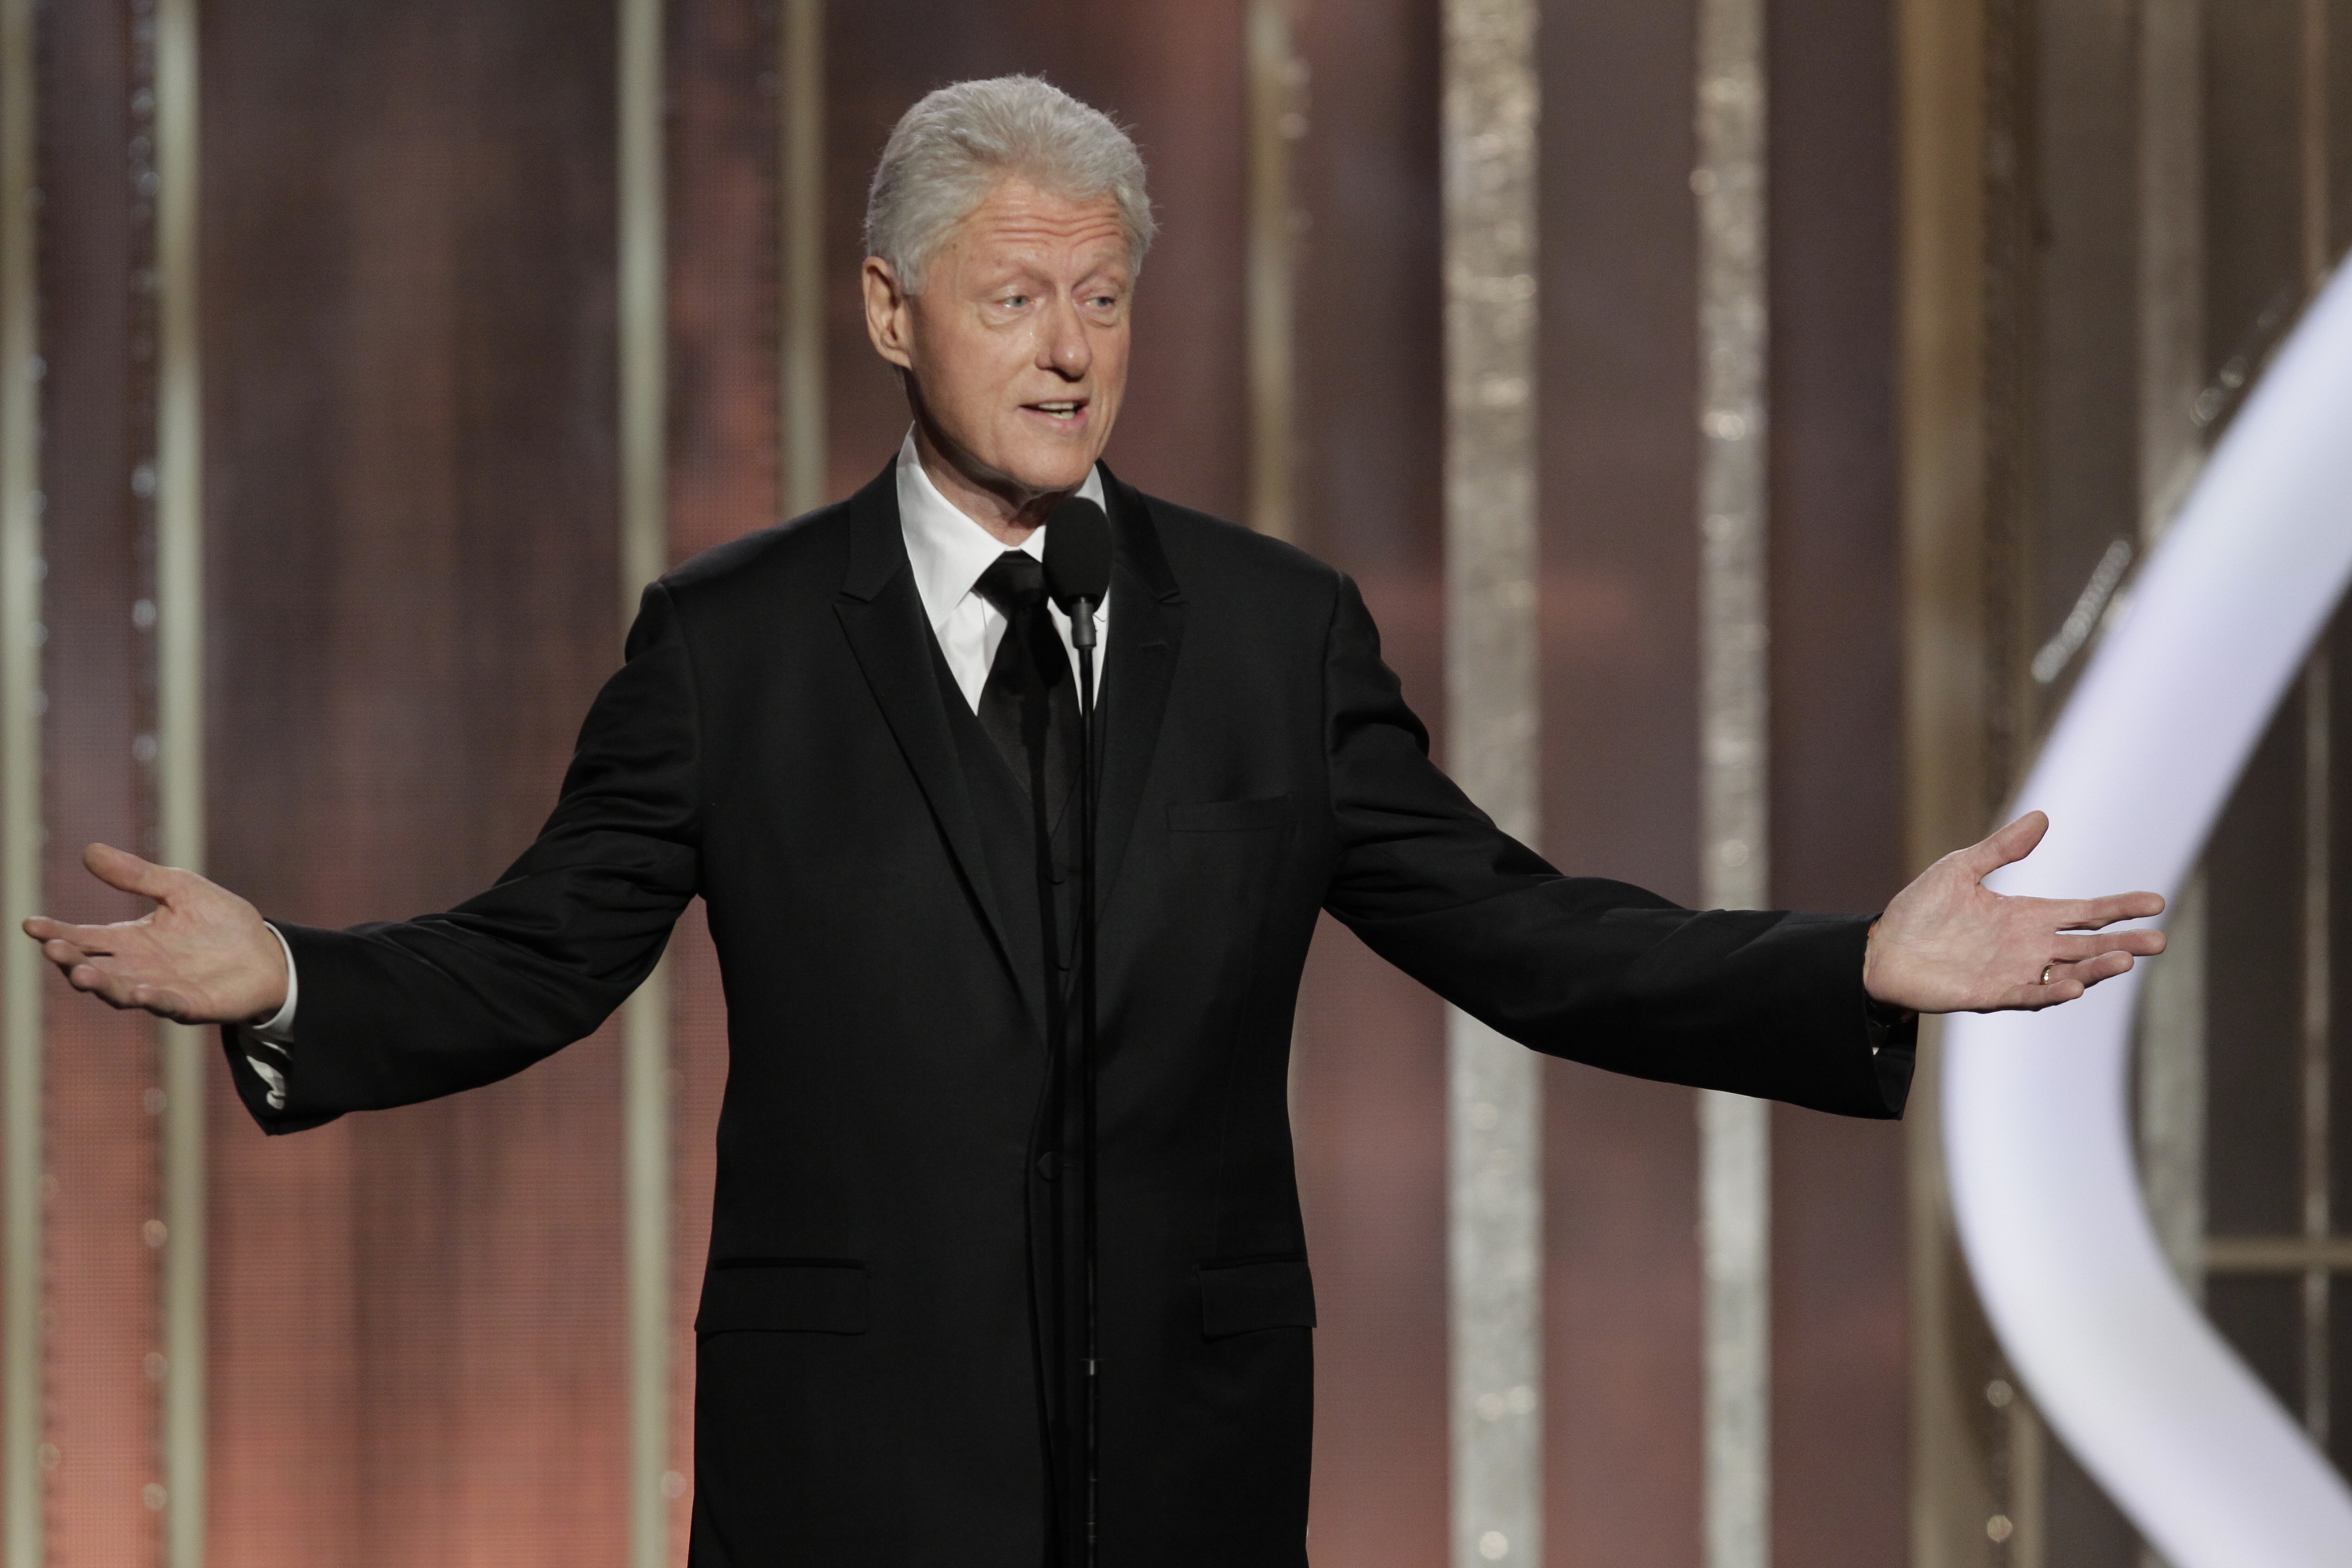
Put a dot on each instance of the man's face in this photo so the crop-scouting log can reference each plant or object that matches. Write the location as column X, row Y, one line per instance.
column 1016, row 351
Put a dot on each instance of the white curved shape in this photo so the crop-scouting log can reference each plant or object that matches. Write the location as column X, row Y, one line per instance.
column 2036, row 1123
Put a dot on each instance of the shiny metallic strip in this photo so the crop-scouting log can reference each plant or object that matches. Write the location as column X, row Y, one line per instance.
column 2318, row 802
column 1734, row 1186
column 180, row 758
column 1495, row 1091
column 644, row 556
column 23, row 1362
column 1735, row 1225
column 1276, row 79
column 800, row 162
column 645, row 1097
column 1277, row 117
column 644, row 304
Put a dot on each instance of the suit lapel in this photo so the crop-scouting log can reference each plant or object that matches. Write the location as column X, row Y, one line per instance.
column 883, row 616
column 1147, row 632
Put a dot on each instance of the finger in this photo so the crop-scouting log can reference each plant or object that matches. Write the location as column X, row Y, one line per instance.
column 65, row 959
column 2089, row 972
column 2033, row 998
column 118, row 991
column 120, row 869
column 2090, row 914
column 108, row 988
column 2012, row 843
column 89, row 939
column 40, row 928
column 2077, row 949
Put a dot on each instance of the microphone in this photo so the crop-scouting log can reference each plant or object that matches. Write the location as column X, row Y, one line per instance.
column 1077, row 563
column 1077, row 574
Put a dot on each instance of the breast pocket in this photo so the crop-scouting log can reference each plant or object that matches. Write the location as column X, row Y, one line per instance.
column 792, row 1294
column 1255, row 814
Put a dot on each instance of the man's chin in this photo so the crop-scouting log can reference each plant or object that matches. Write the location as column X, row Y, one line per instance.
column 1047, row 475
column 1019, row 468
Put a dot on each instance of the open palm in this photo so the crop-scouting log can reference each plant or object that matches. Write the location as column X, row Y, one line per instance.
column 201, row 956
column 1950, row 944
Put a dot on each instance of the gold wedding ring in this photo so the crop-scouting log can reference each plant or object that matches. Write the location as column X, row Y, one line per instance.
column 2045, row 973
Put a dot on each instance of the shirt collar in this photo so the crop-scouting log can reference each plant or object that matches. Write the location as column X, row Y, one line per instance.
column 948, row 550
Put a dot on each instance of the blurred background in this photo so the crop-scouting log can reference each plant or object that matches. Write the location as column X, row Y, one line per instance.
column 359, row 362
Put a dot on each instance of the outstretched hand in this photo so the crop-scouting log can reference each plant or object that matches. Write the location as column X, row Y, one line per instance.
column 1950, row 944
column 201, row 956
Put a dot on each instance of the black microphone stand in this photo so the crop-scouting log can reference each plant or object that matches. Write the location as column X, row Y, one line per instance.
column 1079, row 552
column 1082, row 638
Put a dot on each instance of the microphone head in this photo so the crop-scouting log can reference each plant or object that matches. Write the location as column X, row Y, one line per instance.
column 1078, row 553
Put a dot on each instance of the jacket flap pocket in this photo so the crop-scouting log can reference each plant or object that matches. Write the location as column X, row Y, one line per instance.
column 819, row 1296
column 1256, row 1293
column 1229, row 816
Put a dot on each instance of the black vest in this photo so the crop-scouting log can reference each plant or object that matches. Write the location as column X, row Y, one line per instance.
column 1039, row 893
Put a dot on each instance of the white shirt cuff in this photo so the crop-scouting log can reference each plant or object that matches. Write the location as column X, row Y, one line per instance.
column 276, row 1031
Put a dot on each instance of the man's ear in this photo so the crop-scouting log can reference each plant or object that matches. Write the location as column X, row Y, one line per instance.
column 889, row 325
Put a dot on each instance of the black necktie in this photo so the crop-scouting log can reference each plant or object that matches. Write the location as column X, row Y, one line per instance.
column 1030, row 705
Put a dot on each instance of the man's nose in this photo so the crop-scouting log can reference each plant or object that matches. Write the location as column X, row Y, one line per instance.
column 1063, row 346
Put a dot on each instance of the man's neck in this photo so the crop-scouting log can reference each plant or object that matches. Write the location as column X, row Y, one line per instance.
column 1010, row 518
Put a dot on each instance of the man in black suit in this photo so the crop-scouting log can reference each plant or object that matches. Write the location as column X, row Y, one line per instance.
column 854, row 738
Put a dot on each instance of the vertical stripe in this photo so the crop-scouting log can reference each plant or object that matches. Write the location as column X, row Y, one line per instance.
column 1276, row 119
column 644, row 556
column 2315, row 219
column 2171, row 253
column 21, row 1359
column 1734, row 1186
column 2314, row 1053
column 1494, row 1089
column 180, row 758
column 645, row 1099
column 643, row 303
column 2318, row 805
column 2171, row 452
column 1275, row 78
column 1944, row 87
column 1735, row 1224
column 800, row 163
column 2028, row 1448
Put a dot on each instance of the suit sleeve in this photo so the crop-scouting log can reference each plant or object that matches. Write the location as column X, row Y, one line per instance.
column 393, row 1013
column 1760, row 1003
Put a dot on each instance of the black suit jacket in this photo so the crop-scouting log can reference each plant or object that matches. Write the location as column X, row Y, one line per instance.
column 779, row 743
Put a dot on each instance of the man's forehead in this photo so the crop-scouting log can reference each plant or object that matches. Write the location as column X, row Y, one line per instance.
column 1018, row 221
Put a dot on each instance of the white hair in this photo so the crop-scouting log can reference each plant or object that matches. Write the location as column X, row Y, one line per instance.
column 955, row 144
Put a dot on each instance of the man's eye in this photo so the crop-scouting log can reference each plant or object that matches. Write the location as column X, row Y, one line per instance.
column 1015, row 302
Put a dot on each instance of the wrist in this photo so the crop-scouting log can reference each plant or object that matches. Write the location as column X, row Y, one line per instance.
column 1880, row 1010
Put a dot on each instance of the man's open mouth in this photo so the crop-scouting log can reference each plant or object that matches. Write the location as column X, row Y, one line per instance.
column 1066, row 408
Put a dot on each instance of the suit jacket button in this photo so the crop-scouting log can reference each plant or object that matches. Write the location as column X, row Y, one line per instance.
column 1047, row 1166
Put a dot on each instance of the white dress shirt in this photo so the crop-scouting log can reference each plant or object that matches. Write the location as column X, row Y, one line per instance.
column 948, row 552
